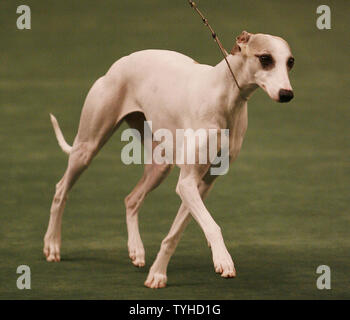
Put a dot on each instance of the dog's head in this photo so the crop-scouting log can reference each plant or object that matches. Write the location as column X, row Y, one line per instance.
column 269, row 60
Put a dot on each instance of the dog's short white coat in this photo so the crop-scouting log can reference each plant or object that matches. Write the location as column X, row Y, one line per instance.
column 173, row 91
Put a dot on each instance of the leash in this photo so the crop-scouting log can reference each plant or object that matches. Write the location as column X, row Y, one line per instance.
column 216, row 39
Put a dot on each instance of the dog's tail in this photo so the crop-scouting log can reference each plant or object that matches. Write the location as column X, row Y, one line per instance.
column 59, row 136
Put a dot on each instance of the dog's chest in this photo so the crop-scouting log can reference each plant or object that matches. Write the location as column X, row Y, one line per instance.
column 237, row 124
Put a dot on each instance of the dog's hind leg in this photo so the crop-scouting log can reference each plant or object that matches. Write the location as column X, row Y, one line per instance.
column 79, row 160
column 96, row 126
column 153, row 175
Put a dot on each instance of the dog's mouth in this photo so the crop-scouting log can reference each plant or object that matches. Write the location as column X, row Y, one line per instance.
column 272, row 95
column 281, row 96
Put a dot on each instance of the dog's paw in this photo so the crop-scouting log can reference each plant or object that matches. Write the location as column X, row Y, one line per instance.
column 224, row 265
column 52, row 250
column 137, row 255
column 156, row 280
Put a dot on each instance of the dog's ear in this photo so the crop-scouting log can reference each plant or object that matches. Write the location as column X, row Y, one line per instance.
column 243, row 37
column 241, row 40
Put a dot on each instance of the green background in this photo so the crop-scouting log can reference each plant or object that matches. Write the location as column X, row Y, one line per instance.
column 283, row 207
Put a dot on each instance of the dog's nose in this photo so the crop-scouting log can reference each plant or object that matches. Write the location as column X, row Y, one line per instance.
column 285, row 95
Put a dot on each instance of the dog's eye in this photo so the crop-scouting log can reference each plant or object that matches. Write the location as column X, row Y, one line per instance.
column 266, row 60
column 290, row 63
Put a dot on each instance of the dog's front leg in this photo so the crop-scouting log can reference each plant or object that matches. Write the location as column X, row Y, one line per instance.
column 157, row 276
column 187, row 189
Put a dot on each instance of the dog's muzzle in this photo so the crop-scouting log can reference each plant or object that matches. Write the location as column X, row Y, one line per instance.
column 285, row 95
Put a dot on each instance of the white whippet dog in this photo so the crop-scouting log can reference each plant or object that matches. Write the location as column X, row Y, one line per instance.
column 173, row 91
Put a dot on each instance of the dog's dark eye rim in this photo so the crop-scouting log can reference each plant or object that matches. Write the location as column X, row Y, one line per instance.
column 265, row 59
column 290, row 62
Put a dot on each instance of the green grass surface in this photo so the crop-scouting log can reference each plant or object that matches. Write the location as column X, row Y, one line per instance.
column 283, row 207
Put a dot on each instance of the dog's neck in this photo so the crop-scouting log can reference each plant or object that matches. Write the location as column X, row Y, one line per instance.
column 232, row 94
